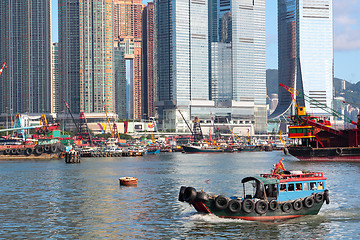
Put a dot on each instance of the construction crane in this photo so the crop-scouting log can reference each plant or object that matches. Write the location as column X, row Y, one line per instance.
column 316, row 103
column 111, row 131
column 2, row 67
column 77, row 128
column 196, row 131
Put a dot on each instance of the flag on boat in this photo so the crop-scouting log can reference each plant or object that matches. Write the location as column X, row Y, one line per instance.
column 280, row 165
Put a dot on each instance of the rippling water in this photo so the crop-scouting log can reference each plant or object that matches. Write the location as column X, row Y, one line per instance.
column 54, row 200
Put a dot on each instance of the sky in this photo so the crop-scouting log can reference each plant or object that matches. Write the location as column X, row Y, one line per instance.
column 346, row 37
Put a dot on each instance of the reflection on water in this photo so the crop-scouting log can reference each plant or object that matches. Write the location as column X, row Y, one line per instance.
column 51, row 199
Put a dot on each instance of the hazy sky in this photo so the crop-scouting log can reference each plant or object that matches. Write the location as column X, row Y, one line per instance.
column 346, row 37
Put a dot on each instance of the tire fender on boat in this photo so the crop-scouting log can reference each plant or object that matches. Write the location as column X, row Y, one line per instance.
column 53, row 149
column 338, row 151
column 261, row 207
column 286, row 207
column 319, row 197
column 221, row 202
column 273, row 205
column 309, row 202
column 28, row 151
column 189, row 194
column 234, row 205
column 201, row 197
column 248, row 205
column 181, row 193
column 47, row 148
column 7, row 151
column 297, row 205
column 326, row 196
column 13, row 151
column 39, row 150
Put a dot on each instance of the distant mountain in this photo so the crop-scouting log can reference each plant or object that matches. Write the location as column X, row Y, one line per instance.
column 351, row 92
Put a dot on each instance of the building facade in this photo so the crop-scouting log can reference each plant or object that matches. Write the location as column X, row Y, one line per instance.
column 25, row 45
column 305, row 53
column 55, row 79
column 148, row 83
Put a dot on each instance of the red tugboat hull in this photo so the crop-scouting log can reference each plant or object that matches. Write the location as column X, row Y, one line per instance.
column 340, row 154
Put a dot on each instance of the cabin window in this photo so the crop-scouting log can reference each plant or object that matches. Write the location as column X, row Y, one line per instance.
column 298, row 187
column 282, row 187
column 306, row 186
column 292, row 130
column 321, row 186
column 300, row 130
column 291, row 187
column 313, row 186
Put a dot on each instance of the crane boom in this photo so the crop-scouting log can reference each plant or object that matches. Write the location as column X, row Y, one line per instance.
column 77, row 127
column 111, row 131
column 2, row 67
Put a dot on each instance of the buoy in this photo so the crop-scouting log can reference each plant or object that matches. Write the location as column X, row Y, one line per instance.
column 128, row 181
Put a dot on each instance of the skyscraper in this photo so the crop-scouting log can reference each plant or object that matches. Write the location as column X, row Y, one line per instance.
column 148, row 83
column 96, row 56
column 127, row 30
column 25, row 44
column 69, row 55
column 305, row 53
column 55, row 79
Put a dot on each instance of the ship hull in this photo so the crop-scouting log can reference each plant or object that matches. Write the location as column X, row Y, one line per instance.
column 48, row 151
column 190, row 149
column 340, row 154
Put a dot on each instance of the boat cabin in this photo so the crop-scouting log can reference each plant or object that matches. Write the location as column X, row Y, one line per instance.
column 285, row 186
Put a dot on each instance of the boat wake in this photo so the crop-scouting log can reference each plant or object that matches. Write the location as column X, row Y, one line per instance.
column 210, row 218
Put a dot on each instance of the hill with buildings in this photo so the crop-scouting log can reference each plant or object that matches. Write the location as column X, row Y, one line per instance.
column 349, row 91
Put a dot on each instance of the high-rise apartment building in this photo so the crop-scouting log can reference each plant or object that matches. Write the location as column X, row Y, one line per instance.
column 25, row 44
column 127, row 30
column 69, row 55
column 55, row 79
column 86, row 53
column 305, row 53
column 148, row 83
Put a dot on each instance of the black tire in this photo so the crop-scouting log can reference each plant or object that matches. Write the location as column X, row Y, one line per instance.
column 326, row 196
column 273, row 205
column 221, row 202
column 53, row 149
column 309, row 202
column 319, row 197
column 286, row 207
column 201, row 197
column 338, row 151
column 189, row 194
column 261, row 207
column 297, row 205
column 7, row 151
column 39, row 150
column 28, row 151
column 248, row 205
column 13, row 151
column 234, row 206
column 181, row 193
column 47, row 148
column 18, row 151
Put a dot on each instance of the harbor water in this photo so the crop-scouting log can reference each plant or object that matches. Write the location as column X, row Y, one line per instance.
column 49, row 199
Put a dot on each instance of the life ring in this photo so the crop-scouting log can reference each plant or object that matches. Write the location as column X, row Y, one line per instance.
column 338, row 151
column 286, row 207
column 39, row 150
column 309, row 202
column 261, row 207
column 297, row 205
column 326, row 196
column 234, row 206
column 248, row 205
column 319, row 197
column 273, row 205
column 189, row 194
column 53, row 149
column 201, row 197
column 221, row 202
column 181, row 193
column 28, row 151
column 7, row 151
column 47, row 148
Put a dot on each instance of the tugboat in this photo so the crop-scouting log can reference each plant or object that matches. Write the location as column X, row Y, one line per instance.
column 279, row 195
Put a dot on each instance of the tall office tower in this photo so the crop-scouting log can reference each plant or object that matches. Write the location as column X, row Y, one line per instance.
column 120, row 80
column 148, row 83
column 182, row 60
column 69, row 55
column 305, row 46
column 238, row 73
column 127, row 25
column 96, row 56
column 25, row 45
column 55, row 79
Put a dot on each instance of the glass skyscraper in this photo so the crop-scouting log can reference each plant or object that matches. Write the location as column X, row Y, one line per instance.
column 25, row 45
column 305, row 53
